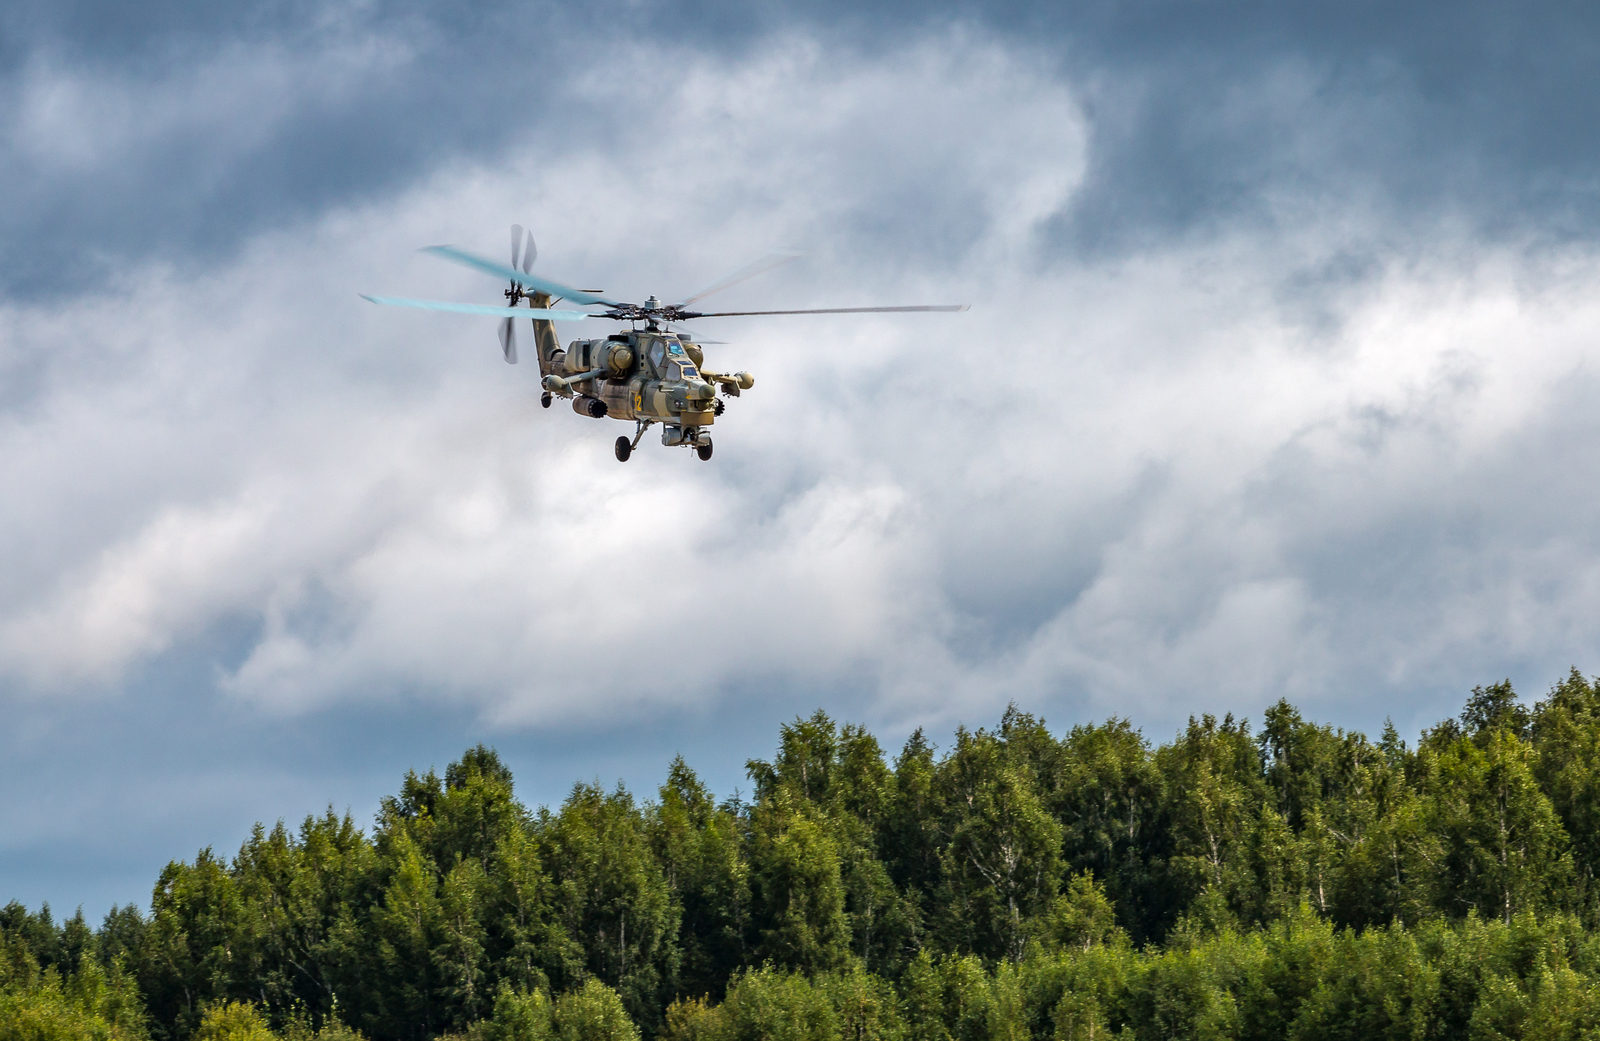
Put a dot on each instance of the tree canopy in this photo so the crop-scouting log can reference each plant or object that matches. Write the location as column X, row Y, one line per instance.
column 1288, row 881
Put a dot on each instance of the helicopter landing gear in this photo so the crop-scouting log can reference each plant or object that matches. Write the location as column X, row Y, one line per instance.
column 719, row 407
column 544, row 399
column 703, row 449
column 624, row 449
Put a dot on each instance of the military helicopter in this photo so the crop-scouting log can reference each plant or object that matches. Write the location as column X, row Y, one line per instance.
column 654, row 375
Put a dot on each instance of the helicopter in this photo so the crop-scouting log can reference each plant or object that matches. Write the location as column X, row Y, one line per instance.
column 655, row 375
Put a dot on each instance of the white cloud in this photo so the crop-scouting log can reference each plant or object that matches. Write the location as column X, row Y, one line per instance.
column 1112, row 484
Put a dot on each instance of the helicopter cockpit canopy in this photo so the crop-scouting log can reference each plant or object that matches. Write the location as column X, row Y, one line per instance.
column 684, row 368
column 669, row 361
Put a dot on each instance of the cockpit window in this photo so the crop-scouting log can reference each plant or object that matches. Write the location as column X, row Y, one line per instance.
column 657, row 354
column 689, row 372
column 675, row 347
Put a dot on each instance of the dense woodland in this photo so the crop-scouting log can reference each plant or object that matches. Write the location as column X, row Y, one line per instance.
column 1289, row 880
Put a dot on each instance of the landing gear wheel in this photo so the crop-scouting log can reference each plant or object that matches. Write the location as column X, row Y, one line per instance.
column 624, row 449
column 718, row 408
column 544, row 399
column 703, row 450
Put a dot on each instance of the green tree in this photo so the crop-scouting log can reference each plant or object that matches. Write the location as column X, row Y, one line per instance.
column 909, row 830
column 408, row 997
column 197, row 946
column 1566, row 736
column 48, row 1004
column 233, row 1021
column 519, row 1015
column 1387, row 871
column 1110, row 804
column 612, row 896
column 1080, row 918
column 1213, row 782
column 797, row 886
column 298, row 889
column 1495, row 707
column 767, row 1004
column 1376, row 984
column 527, row 946
column 866, row 1005
column 593, row 1012
column 1503, row 845
column 1002, row 862
column 700, row 848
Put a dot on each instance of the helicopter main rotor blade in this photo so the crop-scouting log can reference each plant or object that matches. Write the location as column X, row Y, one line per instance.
column 508, row 339
column 543, row 314
column 577, row 296
column 749, row 271
column 836, row 310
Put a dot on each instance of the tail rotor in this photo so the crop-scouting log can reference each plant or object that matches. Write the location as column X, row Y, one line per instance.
column 523, row 251
column 508, row 339
column 529, row 250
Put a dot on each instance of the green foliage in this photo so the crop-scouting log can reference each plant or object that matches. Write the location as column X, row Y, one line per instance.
column 1080, row 917
column 700, row 847
column 1503, row 847
column 799, row 889
column 44, row 1004
column 770, row 1005
column 695, row 1019
column 1110, row 799
column 593, row 1013
column 612, row 897
column 1001, row 863
column 233, row 1021
column 518, row 1016
column 1295, row 881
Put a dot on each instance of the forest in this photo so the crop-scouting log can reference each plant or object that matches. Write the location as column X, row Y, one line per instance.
column 1286, row 880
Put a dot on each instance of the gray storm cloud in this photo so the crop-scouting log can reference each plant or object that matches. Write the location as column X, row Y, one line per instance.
column 1300, row 457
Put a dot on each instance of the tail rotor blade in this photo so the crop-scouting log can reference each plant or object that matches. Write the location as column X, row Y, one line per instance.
column 516, row 243
column 508, row 339
column 528, row 253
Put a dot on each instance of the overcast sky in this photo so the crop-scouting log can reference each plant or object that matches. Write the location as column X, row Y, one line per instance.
column 1279, row 381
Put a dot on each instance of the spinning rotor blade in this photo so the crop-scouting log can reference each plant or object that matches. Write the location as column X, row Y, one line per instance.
column 749, row 271
column 840, row 310
column 528, row 253
column 692, row 338
column 516, row 244
column 508, row 339
column 577, row 296
column 504, row 312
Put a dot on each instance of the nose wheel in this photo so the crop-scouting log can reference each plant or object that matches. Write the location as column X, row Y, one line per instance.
column 624, row 449
column 544, row 399
column 703, row 450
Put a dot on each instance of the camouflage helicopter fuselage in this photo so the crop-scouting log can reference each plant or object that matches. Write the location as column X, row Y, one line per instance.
column 645, row 376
